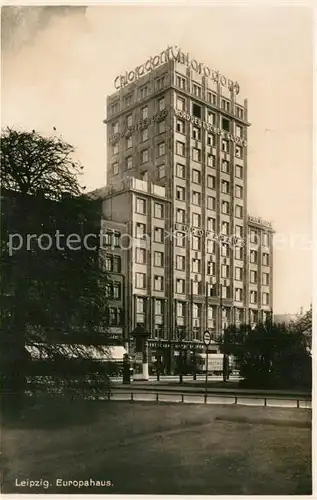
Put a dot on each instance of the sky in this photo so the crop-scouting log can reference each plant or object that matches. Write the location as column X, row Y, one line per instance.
column 59, row 64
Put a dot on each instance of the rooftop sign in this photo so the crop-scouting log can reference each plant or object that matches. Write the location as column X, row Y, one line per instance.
column 258, row 220
column 175, row 54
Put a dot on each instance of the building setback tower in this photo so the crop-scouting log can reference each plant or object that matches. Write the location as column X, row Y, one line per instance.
column 177, row 142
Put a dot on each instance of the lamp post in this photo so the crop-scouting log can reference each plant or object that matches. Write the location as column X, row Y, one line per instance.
column 180, row 335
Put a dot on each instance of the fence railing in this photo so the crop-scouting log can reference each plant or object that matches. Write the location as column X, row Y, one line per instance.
column 209, row 398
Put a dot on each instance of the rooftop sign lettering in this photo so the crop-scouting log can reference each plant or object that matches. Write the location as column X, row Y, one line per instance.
column 258, row 220
column 175, row 54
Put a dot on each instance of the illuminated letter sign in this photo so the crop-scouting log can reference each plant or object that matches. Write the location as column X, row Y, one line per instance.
column 176, row 54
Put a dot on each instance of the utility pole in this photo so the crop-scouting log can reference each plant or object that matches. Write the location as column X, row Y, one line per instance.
column 225, row 355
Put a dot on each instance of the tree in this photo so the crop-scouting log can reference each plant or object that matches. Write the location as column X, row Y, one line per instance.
column 270, row 355
column 52, row 284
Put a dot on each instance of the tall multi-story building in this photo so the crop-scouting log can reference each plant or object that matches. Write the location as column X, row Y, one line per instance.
column 177, row 167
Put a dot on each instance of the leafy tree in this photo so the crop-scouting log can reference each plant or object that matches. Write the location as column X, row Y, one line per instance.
column 52, row 284
column 270, row 355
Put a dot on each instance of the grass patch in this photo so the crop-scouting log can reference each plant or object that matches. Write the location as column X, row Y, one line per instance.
column 160, row 449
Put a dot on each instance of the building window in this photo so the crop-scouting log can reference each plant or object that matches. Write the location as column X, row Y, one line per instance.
column 239, row 191
column 239, row 131
column 238, row 151
column 161, row 149
column 129, row 162
column 225, row 146
column 180, row 239
column 144, row 92
column 180, row 309
column 253, row 276
column 144, row 113
column 140, row 255
column 253, row 236
column 225, row 227
column 265, row 259
column 117, row 290
column 253, row 297
column 196, row 243
column 196, row 133
column 224, row 271
column 238, row 253
column 115, row 108
column 140, row 310
column 239, row 112
column 115, row 148
column 160, row 82
column 211, row 246
column 161, row 104
column 265, row 279
column 265, row 299
column 239, row 211
column 196, row 265
column 253, row 256
column 225, row 187
column 239, row 171
column 225, row 206
column 115, row 168
column 180, row 193
column 225, row 167
column 211, row 118
column 129, row 142
column 210, row 160
column 196, row 220
column 144, row 156
column 180, row 171
column 115, row 127
column 180, row 216
column 196, row 176
column 225, row 105
column 211, row 202
column 196, row 198
column 239, row 294
column 158, row 283
column 211, row 181
column 196, row 288
column 180, row 103
column 211, row 224
column 196, row 110
column 158, row 235
column 225, row 293
column 180, row 148
column 161, row 172
column 265, row 239
column 161, row 126
column 225, row 124
column 238, row 273
column 239, row 231
column 140, row 206
column 210, row 140
column 140, row 230
column 180, row 262
column 144, row 135
column 196, row 154
column 158, row 211
column 180, row 82
column 225, row 250
column 158, row 308
column 211, row 267
column 116, row 238
column 180, row 285
column 180, row 126
column 212, row 98
column 129, row 120
column 196, row 90
column 140, row 280
column 196, row 311
column 158, row 259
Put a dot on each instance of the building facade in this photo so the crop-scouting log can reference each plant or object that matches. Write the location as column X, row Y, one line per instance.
column 177, row 167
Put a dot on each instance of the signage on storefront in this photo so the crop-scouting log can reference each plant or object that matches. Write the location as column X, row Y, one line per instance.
column 175, row 54
column 140, row 125
column 258, row 220
column 210, row 128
